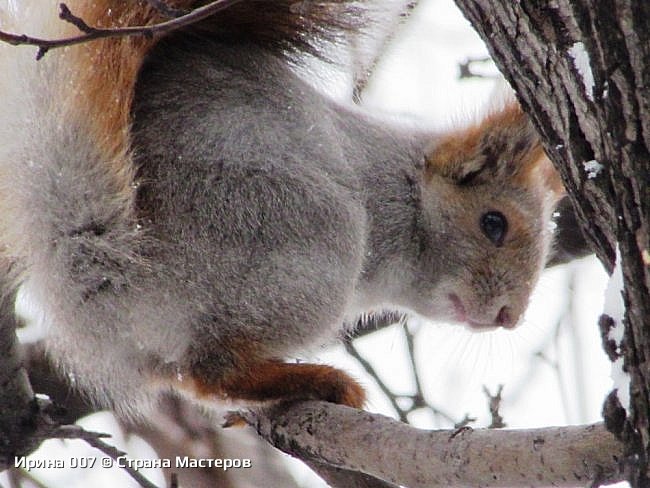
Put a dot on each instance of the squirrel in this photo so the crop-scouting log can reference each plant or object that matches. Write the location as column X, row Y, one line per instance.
column 187, row 212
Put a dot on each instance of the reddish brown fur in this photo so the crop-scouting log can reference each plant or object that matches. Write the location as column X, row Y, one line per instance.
column 452, row 154
column 255, row 376
column 105, row 72
column 267, row 380
column 456, row 147
column 104, row 75
column 535, row 165
column 461, row 146
column 270, row 380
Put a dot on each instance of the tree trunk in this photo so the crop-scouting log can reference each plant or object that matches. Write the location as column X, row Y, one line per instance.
column 581, row 69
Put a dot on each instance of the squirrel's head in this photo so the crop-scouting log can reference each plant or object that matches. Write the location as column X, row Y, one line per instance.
column 487, row 198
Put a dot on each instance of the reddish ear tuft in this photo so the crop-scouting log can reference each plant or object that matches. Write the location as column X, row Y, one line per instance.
column 503, row 147
column 454, row 156
column 540, row 170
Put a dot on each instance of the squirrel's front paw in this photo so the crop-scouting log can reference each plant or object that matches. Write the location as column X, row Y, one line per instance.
column 273, row 380
column 337, row 386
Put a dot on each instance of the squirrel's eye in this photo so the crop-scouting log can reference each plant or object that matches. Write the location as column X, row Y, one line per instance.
column 495, row 226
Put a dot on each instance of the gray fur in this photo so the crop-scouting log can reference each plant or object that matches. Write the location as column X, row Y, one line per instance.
column 264, row 214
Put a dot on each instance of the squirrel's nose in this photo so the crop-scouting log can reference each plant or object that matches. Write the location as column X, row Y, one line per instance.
column 505, row 318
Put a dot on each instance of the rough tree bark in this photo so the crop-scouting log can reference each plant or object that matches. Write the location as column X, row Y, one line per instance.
column 581, row 69
column 176, row 428
column 371, row 450
column 24, row 419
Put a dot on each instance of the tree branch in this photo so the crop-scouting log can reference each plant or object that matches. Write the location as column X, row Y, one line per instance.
column 368, row 368
column 24, row 419
column 93, row 33
column 494, row 404
column 373, row 445
column 364, row 69
column 94, row 439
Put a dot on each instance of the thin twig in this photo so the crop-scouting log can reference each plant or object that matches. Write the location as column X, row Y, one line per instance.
column 78, row 22
column 352, row 351
column 410, row 342
column 419, row 400
column 494, row 405
column 94, row 439
column 558, row 371
column 465, row 421
column 17, row 476
column 577, row 349
column 364, row 71
column 93, row 33
column 465, row 68
column 556, row 365
column 550, row 342
column 75, row 432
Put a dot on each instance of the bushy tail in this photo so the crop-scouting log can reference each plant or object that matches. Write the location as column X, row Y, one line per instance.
column 68, row 221
column 290, row 25
column 65, row 163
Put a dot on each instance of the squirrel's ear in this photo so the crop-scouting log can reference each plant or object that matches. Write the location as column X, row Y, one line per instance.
column 504, row 147
column 455, row 156
column 540, row 171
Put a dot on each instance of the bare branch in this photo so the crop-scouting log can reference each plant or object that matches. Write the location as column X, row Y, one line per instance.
column 495, row 404
column 93, row 33
column 94, row 439
column 465, row 70
column 368, row 324
column 352, row 351
column 364, row 70
column 419, row 401
column 24, row 417
column 338, row 477
column 325, row 433
column 78, row 22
